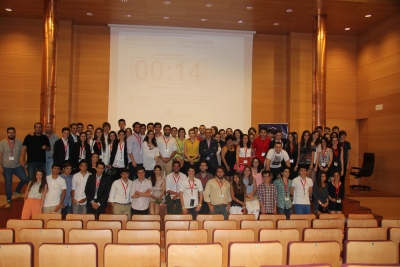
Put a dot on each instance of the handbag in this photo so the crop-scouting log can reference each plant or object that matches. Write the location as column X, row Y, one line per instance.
column 240, row 169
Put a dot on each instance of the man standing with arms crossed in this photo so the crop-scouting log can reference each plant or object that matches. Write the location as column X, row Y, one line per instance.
column 218, row 194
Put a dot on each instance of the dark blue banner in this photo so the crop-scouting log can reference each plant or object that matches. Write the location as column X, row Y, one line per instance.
column 284, row 127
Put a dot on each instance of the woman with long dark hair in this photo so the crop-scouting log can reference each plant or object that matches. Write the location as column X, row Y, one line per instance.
column 292, row 148
column 237, row 137
column 252, row 204
column 238, row 190
column 337, row 158
column 321, row 194
column 325, row 157
column 99, row 144
column 316, row 144
column 228, row 158
column 256, row 168
column 34, row 195
column 336, row 194
column 244, row 151
column 151, row 153
column 80, row 151
column 158, row 189
column 119, row 154
column 306, row 153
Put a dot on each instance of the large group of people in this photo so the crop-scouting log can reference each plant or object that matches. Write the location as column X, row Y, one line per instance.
column 199, row 171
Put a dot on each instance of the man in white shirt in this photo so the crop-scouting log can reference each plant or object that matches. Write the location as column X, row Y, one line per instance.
column 274, row 159
column 191, row 189
column 167, row 147
column 120, row 197
column 53, row 201
column 79, row 181
column 302, row 188
column 172, row 185
column 141, row 190
column 134, row 145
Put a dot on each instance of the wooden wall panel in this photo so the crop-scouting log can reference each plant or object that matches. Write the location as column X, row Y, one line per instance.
column 378, row 82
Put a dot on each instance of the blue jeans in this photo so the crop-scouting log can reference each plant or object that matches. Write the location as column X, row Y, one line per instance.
column 302, row 208
column 49, row 163
column 20, row 173
column 221, row 210
column 32, row 166
column 286, row 211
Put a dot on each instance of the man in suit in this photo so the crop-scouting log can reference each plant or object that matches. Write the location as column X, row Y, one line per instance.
column 63, row 148
column 208, row 150
column 97, row 190
column 278, row 139
column 73, row 137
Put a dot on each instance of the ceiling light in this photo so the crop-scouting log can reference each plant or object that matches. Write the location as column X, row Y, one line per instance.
column 124, row 1
column 368, row 15
column 249, row 8
column 347, row 29
column 89, row 14
column 166, row 17
column 276, row 24
column 203, row 19
column 289, row 10
column 240, row 21
column 8, row 9
column 128, row 16
column 209, row 5
column 167, row 3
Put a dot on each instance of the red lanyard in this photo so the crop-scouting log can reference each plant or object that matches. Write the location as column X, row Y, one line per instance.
column 11, row 146
column 285, row 185
column 124, row 186
column 110, row 146
column 191, row 185
column 291, row 149
column 176, row 180
column 323, row 153
column 82, row 149
column 166, row 142
column 65, row 147
column 121, row 146
column 99, row 146
column 245, row 152
column 220, row 184
column 97, row 183
column 139, row 140
column 304, row 185
column 337, row 188
column 336, row 152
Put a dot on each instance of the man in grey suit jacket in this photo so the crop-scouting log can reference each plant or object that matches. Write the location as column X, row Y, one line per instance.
column 208, row 150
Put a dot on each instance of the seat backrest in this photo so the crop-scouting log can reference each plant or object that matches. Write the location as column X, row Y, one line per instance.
column 365, row 233
column 199, row 255
column 311, row 252
column 100, row 237
column 185, row 237
column 181, row 225
column 210, row 226
column 375, row 252
column 114, row 226
column 255, row 253
column 139, row 237
column 284, row 236
column 60, row 255
column 84, row 217
column 40, row 236
column 256, row 226
column 273, row 217
column 17, row 225
column 18, row 254
column 6, row 236
column 328, row 223
column 386, row 223
column 146, row 217
column 361, row 216
column 297, row 224
column 308, row 217
column 46, row 216
column 368, row 165
column 208, row 217
column 115, row 217
column 240, row 217
column 224, row 237
column 362, row 223
column 325, row 216
column 394, row 235
column 66, row 225
column 178, row 217
column 324, row 235
column 137, row 255
column 143, row 225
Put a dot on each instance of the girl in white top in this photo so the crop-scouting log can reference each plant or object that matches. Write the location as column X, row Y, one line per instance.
column 244, row 151
column 34, row 195
column 252, row 203
column 217, row 137
column 151, row 153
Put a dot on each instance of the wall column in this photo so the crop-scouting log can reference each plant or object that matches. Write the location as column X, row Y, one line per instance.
column 319, row 72
column 49, row 62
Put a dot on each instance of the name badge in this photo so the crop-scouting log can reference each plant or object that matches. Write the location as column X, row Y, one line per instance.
column 335, row 163
column 245, row 161
column 286, row 198
column 140, row 151
column 323, row 164
column 291, row 160
column 193, row 197
column 101, row 156
column 338, row 200
column 10, row 158
column 221, row 195
column 263, row 154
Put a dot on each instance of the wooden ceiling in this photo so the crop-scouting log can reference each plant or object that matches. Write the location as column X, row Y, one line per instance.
column 223, row 14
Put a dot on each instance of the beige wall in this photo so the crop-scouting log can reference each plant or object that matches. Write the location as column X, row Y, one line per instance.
column 378, row 82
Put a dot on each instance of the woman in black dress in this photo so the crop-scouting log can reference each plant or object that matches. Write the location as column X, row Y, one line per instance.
column 80, row 151
column 337, row 158
column 228, row 158
column 321, row 194
column 291, row 147
column 238, row 190
column 336, row 194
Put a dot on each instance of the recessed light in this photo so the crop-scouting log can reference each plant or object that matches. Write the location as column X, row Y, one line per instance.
column 368, row 15
column 128, row 16
column 167, row 3
column 276, row 24
column 203, row 19
column 289, row 10
column 124, row 1
column 8, row 9
column 240, row 21
column 166, row 17
column 249, row 8
column 208, row 5
column 89, row 14
column 347, row 29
